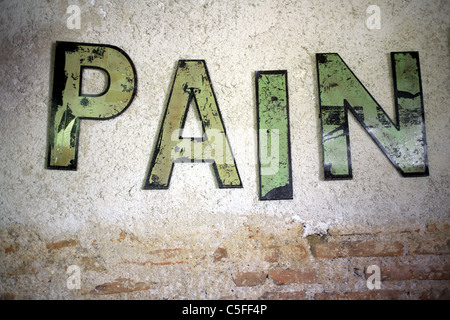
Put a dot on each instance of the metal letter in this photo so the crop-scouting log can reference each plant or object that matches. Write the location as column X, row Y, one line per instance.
column 192, row 81
column 275, row 173
column 69, row 105
column 340, row 91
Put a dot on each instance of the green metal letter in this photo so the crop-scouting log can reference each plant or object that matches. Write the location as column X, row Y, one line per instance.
column 340, row 91
column 275, row 174
column 192, row 81
column 69, row 105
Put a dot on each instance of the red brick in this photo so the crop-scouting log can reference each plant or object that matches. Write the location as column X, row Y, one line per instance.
column 220, row 254
column 408, row 231
column 435, row 245
column 124, row 236
column 231, row 297
column 163, row 257
column 249, row 279
column 21, row 269
column 366, row 295
column 10, row 249
column 435, row 227
column 414, row 272
column 93, row 264
column 282, row 277
column 61, row 244
column 357, row 249
column 7, row 296
column 120, row 286
column 121, row 237
column 283, row 253
column 433, row 294
column 298, row 250
column 149, row 262
column 272, row 254
column 357, row 233
column 295, row 295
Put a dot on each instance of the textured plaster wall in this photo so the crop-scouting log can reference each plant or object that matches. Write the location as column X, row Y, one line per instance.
column 100, row 218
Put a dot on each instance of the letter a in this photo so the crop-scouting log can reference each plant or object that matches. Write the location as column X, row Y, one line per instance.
column 192, row 81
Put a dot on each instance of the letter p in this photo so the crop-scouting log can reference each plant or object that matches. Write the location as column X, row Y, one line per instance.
column 69, row 105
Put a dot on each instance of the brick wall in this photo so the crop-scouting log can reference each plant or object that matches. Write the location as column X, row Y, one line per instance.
column 251, row 264
column 195, row 240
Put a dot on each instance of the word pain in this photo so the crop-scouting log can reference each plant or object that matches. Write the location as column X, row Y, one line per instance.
column 340, row 92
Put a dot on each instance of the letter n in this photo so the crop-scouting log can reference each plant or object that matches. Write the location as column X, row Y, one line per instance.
column 192, row 81
column 69, row 105
column 402, row 142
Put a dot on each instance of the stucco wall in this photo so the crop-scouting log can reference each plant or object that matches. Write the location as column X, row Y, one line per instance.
column 164, row 243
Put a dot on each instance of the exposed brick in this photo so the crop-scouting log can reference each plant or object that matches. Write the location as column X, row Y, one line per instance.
column 357, row 249
column 329, row 250
column 435, row 227
column 21, row 269
column 120, row 286
column 366, row 295
column 296, row 295
column 7, row 296
column 408, row 231
column 231, row 297
column 121, row 237
column 288, row 252
column 220, row 254
column 375, row 233
column 298, row 251
column 272, row 254
column 249, row 279
column 92, row 264
column 377, row 249
column 433, row 294
column 438, row 244
column 61, row 244
column 413, row 272
column 357, row 233
column 162, row 257
column 10, row 249
column 282, row 277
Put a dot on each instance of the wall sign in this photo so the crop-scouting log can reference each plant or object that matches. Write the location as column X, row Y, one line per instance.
column 340, row 92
